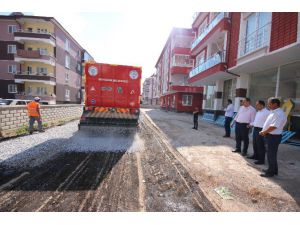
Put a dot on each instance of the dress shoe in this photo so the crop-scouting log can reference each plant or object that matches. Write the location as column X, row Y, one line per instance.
column 252, row 157
column 237, row 151
column 267, row 175
column 267, row 171
column 244, row 154
column 259, row 163
column 225, row 136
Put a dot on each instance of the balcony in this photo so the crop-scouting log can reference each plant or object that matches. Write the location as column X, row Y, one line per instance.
column 29, row 35
column 25, row 76
column 208, row 29
column 34, row 56
column 25, row 96
column 209, row 63
column 181, row 64
column 255, row 41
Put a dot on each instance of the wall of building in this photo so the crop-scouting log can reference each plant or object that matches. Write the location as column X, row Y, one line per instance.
column 284, row 29
column 14, row 118
column 233, row 39
column 4, row 34
column 177, row 106
column 75, row 77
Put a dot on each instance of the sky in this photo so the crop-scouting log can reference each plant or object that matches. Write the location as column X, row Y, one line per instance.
column 122, row 37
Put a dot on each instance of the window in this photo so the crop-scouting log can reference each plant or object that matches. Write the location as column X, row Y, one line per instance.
column 12, row 29
column 12, row 69
column 210, row 97
column 21, row 103
column 66, row 77
column 67, row 61
column 229, row 91
column 29, row 70
column 67, row 93
column 79, row 54
column 202, row 27
column 11, row 49
column 41, row 91
column 200, row 58
column 29, row 90
column 78, row 67
column 182, row 60
column 263, row 85
column 187, row 100
column 67, row 45
column 42, row 70
column 42, row 30
column 12, row 88
column 289, row 85
column 43, row 51
column 257, row 33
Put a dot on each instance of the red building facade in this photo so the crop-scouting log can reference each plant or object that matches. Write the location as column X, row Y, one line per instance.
column 172, row 70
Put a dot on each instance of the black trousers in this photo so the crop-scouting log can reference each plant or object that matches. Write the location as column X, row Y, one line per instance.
column 242, row 134
column 259, row 148
column 196, row 124
column 227, row 125
column 273, row 142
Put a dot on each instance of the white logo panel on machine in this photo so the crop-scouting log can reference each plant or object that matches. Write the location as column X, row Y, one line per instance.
column 134, row 74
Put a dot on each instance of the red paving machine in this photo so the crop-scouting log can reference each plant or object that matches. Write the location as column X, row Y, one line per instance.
column 112, row 95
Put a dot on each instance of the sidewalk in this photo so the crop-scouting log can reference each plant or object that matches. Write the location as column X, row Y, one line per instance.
column 213, row 165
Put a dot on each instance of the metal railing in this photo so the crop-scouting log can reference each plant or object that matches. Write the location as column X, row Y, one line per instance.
column 207, row 29
column 33, row 53
column 35, row 32
column 187, row 63
column 31, row 73
column 254, row 41
column 210, row 62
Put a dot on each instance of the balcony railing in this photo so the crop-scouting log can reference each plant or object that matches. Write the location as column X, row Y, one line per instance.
column 254, row 41
column 186, row 63
column 26, row 75
column 33, row 54
column 35, row 32
column 28, row 54
column 29, row 96
column 206, row 30
column 209, row 63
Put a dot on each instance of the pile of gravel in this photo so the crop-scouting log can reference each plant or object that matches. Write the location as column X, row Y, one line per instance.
column 33, row 150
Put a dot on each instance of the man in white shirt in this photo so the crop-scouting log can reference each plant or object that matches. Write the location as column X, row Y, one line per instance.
column 243, row 119
column 272, row 130
column 229, row 111
column 259, row 149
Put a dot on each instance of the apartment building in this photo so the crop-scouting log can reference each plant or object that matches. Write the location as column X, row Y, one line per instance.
column 172, row 70
column 38, row 57
column 147, row 94
column 253, row 54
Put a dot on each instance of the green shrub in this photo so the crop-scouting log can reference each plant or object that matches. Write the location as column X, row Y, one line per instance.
column 22, row 130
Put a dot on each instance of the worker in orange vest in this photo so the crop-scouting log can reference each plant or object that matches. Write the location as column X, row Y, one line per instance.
column 34, row 114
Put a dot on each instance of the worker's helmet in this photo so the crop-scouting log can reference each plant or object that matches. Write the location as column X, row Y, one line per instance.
column 37, row 99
